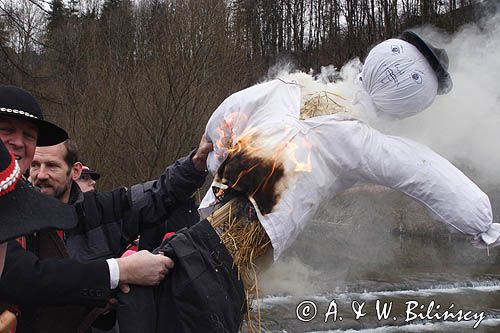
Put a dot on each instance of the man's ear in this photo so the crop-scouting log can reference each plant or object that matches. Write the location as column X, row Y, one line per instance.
column 77, row 171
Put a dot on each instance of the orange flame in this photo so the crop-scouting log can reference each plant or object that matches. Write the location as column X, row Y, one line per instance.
column 295, row 149
column 255, row 164
column 224, row 132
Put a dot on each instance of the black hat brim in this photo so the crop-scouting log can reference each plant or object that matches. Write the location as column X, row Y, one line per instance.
column 26, row 210
column 48, row 134
column 93, row 175
column 445, row 84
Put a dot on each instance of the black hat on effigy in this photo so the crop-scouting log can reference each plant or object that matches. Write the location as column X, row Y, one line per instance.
column 18, row 103
column 24, row 210
column 437, row 58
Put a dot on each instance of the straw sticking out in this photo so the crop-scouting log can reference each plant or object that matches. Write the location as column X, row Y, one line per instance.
column 322, row 103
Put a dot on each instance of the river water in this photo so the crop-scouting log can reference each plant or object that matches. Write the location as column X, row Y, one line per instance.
column 370, row 250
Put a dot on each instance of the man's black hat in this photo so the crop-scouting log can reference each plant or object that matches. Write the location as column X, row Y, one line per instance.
column 437, row 58
column 18, row 103
column 94, row 175
column 24, row 210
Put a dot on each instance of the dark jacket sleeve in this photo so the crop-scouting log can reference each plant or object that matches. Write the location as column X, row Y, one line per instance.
column 183, row 216
column 152, row 202
column 109, row 221
column 28, row 280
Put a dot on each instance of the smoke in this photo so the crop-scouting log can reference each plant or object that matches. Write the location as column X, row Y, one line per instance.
column 288, row 276
column 464, row 125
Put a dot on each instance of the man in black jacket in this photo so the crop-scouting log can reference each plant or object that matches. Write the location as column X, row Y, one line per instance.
column 35, row 277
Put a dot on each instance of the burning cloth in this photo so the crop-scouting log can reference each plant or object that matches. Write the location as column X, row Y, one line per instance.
column 287, row 166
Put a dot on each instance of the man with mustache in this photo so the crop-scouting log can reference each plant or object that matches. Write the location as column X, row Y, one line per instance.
column 55, row 169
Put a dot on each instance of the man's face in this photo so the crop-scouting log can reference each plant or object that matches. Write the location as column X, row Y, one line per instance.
column 19, row 136
column 86, row 183
column 50, row 172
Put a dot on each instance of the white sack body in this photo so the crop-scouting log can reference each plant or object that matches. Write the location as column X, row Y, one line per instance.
column 322, row 156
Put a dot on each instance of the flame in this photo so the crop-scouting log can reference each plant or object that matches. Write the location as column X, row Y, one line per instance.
column 243, row 174
column 224, row 133
column 224, row 137
column 248, row 147
column 255, row 163
column 295, row 149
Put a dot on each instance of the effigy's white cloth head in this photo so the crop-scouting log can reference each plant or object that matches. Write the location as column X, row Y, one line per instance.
column 321, row 156
column 399, row 82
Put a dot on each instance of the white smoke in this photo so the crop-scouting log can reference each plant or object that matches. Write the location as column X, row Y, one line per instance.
column 464, row 125
column 289, row 276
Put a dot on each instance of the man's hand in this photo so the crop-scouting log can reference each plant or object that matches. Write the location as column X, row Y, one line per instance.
column 200, row 157
column 143, row 268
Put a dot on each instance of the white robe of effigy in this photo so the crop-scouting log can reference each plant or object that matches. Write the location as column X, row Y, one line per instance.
column 322, row 156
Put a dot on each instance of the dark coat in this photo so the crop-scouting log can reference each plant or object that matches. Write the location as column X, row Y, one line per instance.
column 202, row 293
column 183, row 216
column 29, row 281
column 107, row 223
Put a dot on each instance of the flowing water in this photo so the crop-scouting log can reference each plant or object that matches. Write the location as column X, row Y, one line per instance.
column 367, row 265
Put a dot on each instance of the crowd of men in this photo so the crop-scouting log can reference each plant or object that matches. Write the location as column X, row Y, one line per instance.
column 54, row 280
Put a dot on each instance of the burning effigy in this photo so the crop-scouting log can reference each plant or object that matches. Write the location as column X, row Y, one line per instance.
column 282, row 147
